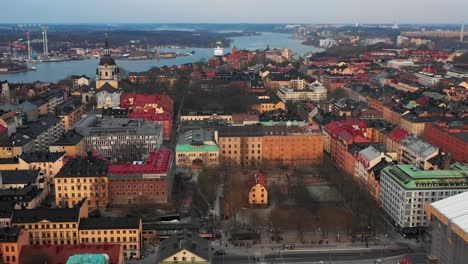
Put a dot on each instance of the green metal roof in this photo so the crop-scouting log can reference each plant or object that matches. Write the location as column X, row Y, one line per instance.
column 410, row 177
column 188, row 148
column 88, row 259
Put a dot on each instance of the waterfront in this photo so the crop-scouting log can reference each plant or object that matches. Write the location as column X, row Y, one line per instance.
column 55, row 71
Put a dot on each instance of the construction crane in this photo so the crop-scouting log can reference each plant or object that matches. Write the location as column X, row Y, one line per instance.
column 29, row 45
column 44, row 41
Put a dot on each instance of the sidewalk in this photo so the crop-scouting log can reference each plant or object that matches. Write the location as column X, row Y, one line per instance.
column 266, row 249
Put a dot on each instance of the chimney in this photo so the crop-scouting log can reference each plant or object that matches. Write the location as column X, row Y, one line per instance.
column 447, row 161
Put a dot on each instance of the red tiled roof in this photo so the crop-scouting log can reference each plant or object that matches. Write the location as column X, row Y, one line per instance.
column 259, row 178
column 398, row 134
column 310, row 106
column 3, row 129
column 150, row 115
column 158, row 162
column 141, row 100
column 59, row 254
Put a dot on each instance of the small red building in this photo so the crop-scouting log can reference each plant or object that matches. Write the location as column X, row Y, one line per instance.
column 141, row 183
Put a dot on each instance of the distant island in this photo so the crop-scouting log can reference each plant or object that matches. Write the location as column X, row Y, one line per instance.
column 9, row 66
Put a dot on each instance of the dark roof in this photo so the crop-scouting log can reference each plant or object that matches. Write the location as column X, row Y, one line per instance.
column 20, row 195
column 6, row 209
column 107, row 59
column 9, row 161
column 80, row 76
column 32, row 131
column 84, row 166
column 19, row 176
column 50, row 214
column 183, row 241
column 9, row 234
column 110, row 223
column 71, row 138
column 42, row 156
column 108, row 88
column 39, row 102
column 239, row 131
column 68, row 107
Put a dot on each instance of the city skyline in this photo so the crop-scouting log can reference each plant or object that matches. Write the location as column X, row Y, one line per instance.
column 241, row 11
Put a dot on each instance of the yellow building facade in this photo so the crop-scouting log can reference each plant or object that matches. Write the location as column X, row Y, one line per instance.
column 72, row 143
column 83, row 177
column 71, row 190
column 56, row 226
column 12, row 240
column 125, row 231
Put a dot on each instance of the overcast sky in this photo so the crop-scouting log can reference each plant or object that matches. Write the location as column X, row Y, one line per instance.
column 233, row 11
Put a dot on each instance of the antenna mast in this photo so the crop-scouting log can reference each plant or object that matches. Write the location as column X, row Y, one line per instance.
column 44, row 40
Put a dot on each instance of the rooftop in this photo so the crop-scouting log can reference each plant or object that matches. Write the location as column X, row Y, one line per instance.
column 49, row 214
column 19, row 176
column 455, row 212
column 370, row 153
column 94, row 125
column 35, row 157
column 419, row 146
column 110, row 223
column 71, row 138
column 9, row 234
column 25, row 194
column 183, row 241
column 6, row 209
column 158, row 162
column 410, row 177
column 88, row 166
column 32, row 131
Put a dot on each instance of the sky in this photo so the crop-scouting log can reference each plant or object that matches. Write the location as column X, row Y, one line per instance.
column 234, row 11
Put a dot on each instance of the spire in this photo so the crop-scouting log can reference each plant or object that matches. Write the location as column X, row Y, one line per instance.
column 106, row 43
column 106, row 46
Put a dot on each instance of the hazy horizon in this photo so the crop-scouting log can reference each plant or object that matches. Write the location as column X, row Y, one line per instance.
column 234, row 12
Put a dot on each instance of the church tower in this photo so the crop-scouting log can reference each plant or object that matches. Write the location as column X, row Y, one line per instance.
column 107, row 71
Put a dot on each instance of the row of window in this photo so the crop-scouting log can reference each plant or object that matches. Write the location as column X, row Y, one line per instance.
column 85, row 180
column 140, row 186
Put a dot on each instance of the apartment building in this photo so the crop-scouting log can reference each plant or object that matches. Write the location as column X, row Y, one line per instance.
column 122, row 139
column 405, row 190
column 71, row 226
column 37, row 136
column 12, row 240
column 417, row 152
column 83, row 177
column 293, row 145
column 126, row 231
column 252, row 145
column 147, row 183
column 54, row 226
column 450, row 138
column 70, row 113
column 240, row 145
column 72, row 143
